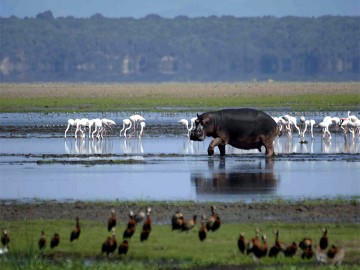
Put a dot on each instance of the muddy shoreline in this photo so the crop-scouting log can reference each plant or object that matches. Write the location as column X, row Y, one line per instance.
column 323, row 211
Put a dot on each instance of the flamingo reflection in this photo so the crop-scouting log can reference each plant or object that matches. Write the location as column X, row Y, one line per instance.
column 82, row 147
column 133, row 146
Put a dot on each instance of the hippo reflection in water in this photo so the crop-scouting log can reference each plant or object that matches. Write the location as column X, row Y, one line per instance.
column 249, row 178
column 240, row 128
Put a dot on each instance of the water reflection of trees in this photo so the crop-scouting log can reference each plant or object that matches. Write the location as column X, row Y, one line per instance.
column 255, row 177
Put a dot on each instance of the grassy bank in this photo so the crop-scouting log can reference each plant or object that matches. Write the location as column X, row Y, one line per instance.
column 165, row 248
column 53, row 97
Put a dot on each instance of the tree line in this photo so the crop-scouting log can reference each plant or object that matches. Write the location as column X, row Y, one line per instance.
column 155, row 49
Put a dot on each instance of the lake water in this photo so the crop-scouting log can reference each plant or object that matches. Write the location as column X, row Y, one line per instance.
column 173, row 168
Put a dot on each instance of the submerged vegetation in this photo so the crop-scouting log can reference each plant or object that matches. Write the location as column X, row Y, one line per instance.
column 54, row 97
column 165, row 248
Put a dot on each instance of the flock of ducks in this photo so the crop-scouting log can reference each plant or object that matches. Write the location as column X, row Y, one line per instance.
column 97, row 127
column 324, row 253
column 109, row 246
column 258, row 246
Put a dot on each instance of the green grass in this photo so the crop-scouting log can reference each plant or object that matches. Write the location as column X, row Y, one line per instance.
column 308, row 102
column 65, row 97
column 165, row 248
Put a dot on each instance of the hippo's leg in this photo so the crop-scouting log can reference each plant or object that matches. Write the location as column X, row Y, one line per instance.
column 215, row 142
column 222, row 149
column 268, row 142
column 270, row 152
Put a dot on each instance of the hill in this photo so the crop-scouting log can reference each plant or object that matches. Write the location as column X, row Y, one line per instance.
column 154, row 49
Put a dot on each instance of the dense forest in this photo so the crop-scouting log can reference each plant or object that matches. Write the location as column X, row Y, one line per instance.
column 153, row 49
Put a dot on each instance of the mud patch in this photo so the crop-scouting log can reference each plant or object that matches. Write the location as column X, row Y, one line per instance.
column 323, row 211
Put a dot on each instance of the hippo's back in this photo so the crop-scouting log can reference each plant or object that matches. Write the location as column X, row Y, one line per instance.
column 246, row 121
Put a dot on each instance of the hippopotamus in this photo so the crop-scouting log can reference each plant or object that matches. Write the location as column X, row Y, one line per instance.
column 243, row 128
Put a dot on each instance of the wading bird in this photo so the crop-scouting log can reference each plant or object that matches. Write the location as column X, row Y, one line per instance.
column 76, row 232
column 142, row 126
column 105, row 246
column 186, row 124
column 84, row 122
column 335, row 255
column 110, row 244
column 260, row 250
column 98, row 126
column 254, row 242
column 55, row 240
column 5, row 239
column 73, row 123
column 241, row 243
column 126, row 126
column 277, row 247
column 203, row 230
column 42, row 241
column 291, row 122
column 324, row 241
column 177, row 220
column 112, row 220
column 136, row 118
column 214, row 221
column 325, row 129
column 307, row 123
column 189, row 224
column 290, row 250
column 106, row 123
column 113, row 242
column 123, row 248
column 131, row 226
column 90, row 125
column 306, row 246
column 352, row 117
column 146, row 227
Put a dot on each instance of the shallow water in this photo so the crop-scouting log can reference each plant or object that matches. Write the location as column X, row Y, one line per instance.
column 172, row 168
column 166, row 145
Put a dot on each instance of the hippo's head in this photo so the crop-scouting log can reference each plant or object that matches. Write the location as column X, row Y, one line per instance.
column 203, row 126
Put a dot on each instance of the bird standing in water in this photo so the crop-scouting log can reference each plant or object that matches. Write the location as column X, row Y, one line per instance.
column 186, row 124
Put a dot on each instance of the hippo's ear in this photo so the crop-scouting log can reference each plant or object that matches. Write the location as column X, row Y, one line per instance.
column 197, row 115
